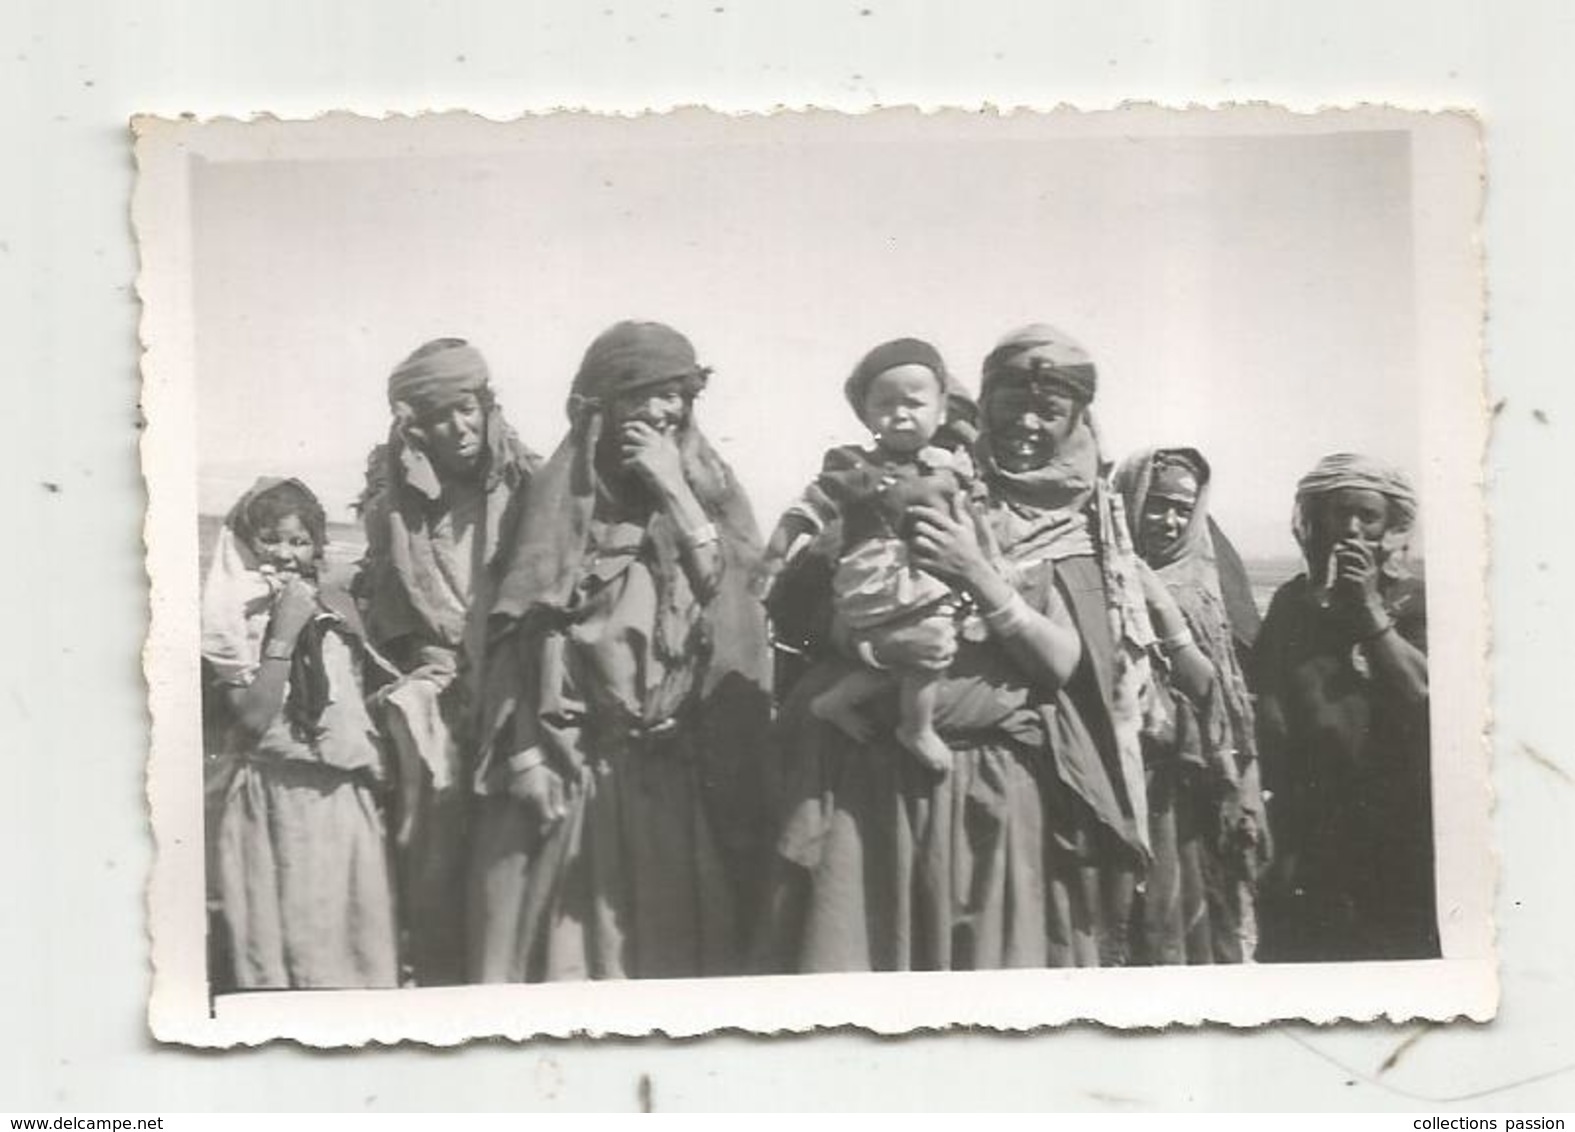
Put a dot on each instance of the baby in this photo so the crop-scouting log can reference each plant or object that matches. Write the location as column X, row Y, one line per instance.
column 893, row 616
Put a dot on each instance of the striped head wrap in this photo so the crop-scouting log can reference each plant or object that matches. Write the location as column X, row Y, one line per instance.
column 1046, row 355
column 437, row 375
column 1344, row 470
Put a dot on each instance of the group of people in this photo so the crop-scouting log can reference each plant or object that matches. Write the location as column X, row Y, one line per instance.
column 979, row 700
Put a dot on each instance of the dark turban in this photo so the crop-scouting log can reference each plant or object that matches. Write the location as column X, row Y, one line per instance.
column 631, row 356
column 1044, row 354
column 437, row 375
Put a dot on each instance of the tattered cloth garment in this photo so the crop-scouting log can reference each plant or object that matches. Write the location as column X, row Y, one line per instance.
column 1064, row 513
column 1207, row 787
column 428, row 581
column 639, row 688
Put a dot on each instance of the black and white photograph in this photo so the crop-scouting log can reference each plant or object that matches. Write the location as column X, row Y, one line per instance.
column 691, row 571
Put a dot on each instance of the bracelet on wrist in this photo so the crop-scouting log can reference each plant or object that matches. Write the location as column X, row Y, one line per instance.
column 1009, row 618
column 275, row 649
column 1177, row 641
column 528, row 759
column 1377, row 631
column 703, row 535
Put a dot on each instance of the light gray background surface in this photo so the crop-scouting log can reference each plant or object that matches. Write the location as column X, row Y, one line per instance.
column 73, row 979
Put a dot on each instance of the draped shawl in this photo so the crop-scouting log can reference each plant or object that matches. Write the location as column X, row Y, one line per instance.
column 402, row 589
column 1066, row 509
column 547, row 559
column 1191, row 570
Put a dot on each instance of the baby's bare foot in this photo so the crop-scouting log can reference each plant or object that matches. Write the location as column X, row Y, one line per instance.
column 842, row 715
column 928, row 747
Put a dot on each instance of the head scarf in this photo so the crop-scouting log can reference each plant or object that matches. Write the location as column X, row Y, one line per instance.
column 403, row 590
column 1350, row 470
column 1044, row 354
column 548, row 558
column 1054, row 496
column 237, row 596
column 437, row 374
column 434, row 378
column 1135, row 478
column 237, row 604
column 1202, row 556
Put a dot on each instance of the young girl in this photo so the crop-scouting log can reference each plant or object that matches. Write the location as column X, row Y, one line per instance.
column 297, row 838
column 895, row 618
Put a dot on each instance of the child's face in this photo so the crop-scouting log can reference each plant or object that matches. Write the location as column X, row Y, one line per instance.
column 904, row 407
column 287, row 546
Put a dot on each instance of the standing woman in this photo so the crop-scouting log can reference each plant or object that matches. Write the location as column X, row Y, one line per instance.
column 1206, row 819
column 1343, row 728
column 1025, row 854
column 440, row 495
column 626, row 691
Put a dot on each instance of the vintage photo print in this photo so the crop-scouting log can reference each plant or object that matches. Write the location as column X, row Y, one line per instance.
column 902, row 570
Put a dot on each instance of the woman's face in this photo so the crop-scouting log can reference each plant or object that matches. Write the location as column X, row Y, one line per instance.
column 286, row 545
column 1350, row 513
column 1172, row 499
column 663, row 407
column 452, row 436
column 1029, row 422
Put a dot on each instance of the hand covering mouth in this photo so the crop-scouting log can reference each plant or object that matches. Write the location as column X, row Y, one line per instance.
column 662, row 425
column 1024, row 440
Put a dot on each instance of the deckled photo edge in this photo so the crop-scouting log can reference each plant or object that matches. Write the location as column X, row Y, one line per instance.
column 179, row 1008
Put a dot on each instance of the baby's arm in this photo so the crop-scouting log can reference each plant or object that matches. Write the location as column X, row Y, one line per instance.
column 800, row 524
column 793, row 533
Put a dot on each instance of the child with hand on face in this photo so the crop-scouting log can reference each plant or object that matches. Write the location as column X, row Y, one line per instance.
column 296, row 832
column 897, row 619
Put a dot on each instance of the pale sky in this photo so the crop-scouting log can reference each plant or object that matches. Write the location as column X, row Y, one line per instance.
column 1249, row 296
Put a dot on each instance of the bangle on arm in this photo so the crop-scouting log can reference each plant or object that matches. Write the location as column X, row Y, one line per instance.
column 1377, row 631
column 1177, row 641
column 1010, row 618
column 275, row 649
column 528, row 759
column 703, row 535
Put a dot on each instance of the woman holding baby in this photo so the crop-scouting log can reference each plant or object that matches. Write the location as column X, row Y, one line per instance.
column 1018, row 844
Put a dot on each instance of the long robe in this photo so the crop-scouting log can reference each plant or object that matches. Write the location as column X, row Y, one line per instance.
column 1348, row 768
column 632, row 883
column 645, row 691
column 426, row 585
column 1005, row 862
column 1207, row 826
column 297, row 838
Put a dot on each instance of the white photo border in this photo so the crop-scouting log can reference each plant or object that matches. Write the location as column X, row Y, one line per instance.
column 1448, row 187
